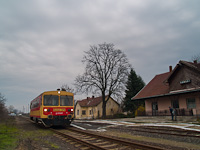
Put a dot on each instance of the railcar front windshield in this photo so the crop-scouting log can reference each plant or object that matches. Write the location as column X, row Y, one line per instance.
column 50, row 100
column 66, row 100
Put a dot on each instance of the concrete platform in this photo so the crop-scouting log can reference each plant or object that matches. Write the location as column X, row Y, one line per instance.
column 184, row 122
column 160, row 119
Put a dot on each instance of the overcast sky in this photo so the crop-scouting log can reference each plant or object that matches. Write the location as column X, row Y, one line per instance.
column 42, row 42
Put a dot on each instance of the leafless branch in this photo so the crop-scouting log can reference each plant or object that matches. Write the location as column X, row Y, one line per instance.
column 106, row 71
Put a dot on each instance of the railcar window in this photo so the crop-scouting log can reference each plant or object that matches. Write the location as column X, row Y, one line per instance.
column 66, row 100
column 50, row 100
column 34, row 104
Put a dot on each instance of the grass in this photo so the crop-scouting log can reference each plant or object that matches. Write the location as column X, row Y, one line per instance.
column 11, row 136
column 8, row 136
column 33, row 135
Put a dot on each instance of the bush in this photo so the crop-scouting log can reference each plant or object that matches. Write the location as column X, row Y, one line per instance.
column 121, row 115
column 3, row 110
column 130, row 115
column 140, row 111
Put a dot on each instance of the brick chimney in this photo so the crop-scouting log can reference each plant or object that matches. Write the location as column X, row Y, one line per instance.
column 170, row 68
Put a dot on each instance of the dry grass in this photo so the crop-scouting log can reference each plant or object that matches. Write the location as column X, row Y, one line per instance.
column 153, row 140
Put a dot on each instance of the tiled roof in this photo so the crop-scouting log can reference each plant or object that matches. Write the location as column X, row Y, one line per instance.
column 157, row 86
column 90, row 101
column 192, row 65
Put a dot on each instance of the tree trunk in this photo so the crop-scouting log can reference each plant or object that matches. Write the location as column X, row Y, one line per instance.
column 103, row 106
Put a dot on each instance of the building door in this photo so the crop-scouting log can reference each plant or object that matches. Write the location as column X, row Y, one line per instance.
column 154, row 109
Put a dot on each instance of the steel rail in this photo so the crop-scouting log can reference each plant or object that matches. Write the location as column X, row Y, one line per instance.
column 165, row 133
column 93, row 146
column 71, row 137
column 123, row 142
column 168, row 129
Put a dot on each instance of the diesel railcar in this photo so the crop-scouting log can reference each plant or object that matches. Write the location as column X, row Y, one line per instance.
column 53, row 108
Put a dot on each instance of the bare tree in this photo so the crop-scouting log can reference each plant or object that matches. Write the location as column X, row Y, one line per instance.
column 67, row 88
column 11, row 109
column 106, row 72
column 3, row 110
column 196, row 57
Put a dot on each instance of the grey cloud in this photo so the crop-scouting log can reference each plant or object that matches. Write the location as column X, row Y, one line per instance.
column 42, row 42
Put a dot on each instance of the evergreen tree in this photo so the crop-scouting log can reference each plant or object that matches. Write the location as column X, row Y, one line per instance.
column 133, row 86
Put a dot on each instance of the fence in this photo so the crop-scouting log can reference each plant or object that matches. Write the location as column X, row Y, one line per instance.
column 179, row 112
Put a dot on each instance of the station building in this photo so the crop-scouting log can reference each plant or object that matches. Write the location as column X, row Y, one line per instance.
column 179, row 88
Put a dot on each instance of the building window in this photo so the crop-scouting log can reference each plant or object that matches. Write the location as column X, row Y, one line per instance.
column 191, row 103
column 83, row 112
column 77, row 112
column 175, row 103
column 90, row 112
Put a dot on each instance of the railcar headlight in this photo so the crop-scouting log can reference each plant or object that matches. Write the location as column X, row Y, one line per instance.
column 45, row 109
column 72, row 109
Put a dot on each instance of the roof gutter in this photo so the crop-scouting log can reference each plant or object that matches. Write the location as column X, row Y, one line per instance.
column 168, row 94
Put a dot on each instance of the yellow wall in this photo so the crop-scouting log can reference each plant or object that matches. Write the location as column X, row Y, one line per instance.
column 111, row 107
column 95, row 112
column 78, row 114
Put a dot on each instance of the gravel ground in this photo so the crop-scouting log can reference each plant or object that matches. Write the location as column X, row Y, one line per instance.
column 185, row 139
column 33, row 137
column 171, row 142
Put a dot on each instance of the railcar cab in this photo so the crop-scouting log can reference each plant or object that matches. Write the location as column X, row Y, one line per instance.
column 55, row 108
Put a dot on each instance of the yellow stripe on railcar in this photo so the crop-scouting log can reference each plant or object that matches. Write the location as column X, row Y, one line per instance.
column 53, row 108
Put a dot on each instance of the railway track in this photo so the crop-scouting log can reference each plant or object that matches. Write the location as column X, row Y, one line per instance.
column 94, row 141
column 88, row 140
column 83, row 139
column 165, row 131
